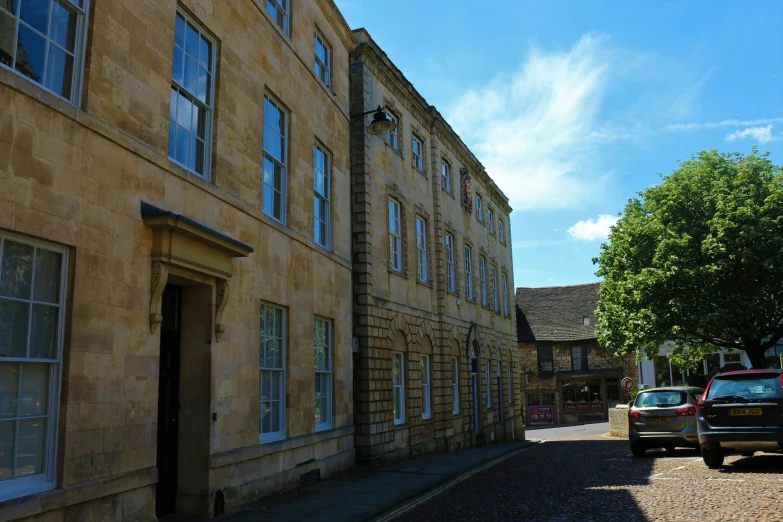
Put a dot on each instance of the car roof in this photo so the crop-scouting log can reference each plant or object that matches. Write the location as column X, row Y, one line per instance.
column 672, row 388
column 746, row 372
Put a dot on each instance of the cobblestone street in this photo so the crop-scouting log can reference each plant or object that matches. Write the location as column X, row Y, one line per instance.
column 586, row 476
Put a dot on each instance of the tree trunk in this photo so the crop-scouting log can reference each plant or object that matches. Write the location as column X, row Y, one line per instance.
column 755, row 353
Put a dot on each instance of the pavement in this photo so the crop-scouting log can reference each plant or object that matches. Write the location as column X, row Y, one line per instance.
column 362, row 493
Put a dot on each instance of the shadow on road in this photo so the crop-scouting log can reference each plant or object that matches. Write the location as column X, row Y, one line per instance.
column 761, row 463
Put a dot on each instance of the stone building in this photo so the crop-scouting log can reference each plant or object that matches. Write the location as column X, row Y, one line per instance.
column 566, row 375
column 436, row 360
column 175, row 281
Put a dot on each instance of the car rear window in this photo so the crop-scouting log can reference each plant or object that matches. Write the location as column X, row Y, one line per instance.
column 660, row 398
column 749, row 386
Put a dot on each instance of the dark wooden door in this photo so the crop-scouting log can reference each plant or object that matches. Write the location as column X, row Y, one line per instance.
column 168, row 402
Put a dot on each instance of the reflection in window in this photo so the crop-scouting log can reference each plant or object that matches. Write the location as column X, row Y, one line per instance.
column 272, row 372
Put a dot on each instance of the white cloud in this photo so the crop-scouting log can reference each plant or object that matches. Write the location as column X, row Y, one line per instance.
column 535, row 130
column 686, row 127
column 591, row 230
column 759, row 134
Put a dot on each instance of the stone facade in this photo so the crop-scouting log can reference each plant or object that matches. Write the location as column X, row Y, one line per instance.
column 74, row 175
column 544, row 387
column 419, row 309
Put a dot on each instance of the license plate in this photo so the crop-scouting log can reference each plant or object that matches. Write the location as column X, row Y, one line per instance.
column 745, row 411
column 661, row 420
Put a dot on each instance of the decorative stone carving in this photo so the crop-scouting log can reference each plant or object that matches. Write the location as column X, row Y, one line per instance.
column 160, row 274
column 221, row 298
column 466, row 192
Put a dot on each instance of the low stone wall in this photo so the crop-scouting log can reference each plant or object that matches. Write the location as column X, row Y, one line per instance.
column 618, row 421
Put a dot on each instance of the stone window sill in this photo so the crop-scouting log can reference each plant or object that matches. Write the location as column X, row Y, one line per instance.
column 455, row 293
column 398, row 272
column 396, row 151
column 424, row 283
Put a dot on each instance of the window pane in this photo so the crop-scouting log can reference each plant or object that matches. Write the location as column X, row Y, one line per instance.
column 205, row 54
column 274, row 413
column 17, row 270
column 266, row 419
column 30, row 53
column 184, row 113
column 63, row 28
column 178, row 65
column 47, row 276
column 43, row 333
column 191, row 75
column 35, row 13
column 183, row 146
column 30, row 449
column 35, row 390
column 192, row 40
column 7, row 37
column 14, row 318
column 9, row 382
column 7, row 433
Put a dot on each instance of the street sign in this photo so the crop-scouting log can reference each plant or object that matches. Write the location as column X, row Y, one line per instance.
column 627, row 383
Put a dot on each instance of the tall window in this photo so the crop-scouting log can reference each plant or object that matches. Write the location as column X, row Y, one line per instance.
column 455, row 385
column 48, row 36
column 32, row 297
column 275, row 160
column 510, row 385
column 278, row 10
column 468, row 273
column 490, row 221
column 321, row 196
column 392, row 137
column 323, row 59
column 418, row 161
column 398, row 383
column 505, row 294
column 579, row 358
column 445, row 171
column 483, row 279
column 323, row 373
column 192, row 86
column 426, row 400
column 421, row 249
column 501, row 231
column 479, row 212
column 395, row 236
column 272, row 372
column 495, row 301
column 489, row 386
column 450, row 263
column 546, row 362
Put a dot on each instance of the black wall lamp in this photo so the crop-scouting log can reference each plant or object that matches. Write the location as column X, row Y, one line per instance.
column 380, row 124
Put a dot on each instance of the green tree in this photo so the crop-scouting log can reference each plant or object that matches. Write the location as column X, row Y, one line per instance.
column 698, row 260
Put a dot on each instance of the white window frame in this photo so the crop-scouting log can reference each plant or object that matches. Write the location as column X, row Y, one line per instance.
column 468, row 272
column 395, row 235
column 208, row 106
column 505, row 294
column 319, row 38
column 282, row 163
column 479, row 212
column 489, row 386
column 326, row 395
column 421, row 249
column 418, row 157
column 493, row 273
column 280, row 434
column 80, row 44
column 455, row 385
column 393, row 136
column 325, row 198
column 399, row 388
column 451, row 284
column 445, row 176
column 13, row 488
column 490, row 221
column 501, row 231
column 483, row 279
column 426, row 388
column 279, row 5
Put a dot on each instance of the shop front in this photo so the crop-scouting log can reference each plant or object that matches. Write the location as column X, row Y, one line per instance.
column 587, row 396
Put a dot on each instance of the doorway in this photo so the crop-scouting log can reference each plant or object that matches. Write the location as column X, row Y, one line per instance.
column 168, row 401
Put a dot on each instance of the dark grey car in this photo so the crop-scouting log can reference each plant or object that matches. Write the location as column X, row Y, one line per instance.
column 663, row 418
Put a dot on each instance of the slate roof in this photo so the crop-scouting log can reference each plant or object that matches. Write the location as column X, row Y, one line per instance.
column 555, row 313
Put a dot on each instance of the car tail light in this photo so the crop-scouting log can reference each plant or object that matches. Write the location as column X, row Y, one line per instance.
column 688, row 411
column 634, row 414
column 701, row 400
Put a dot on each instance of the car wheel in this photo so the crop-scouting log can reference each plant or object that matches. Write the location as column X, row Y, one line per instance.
column 713, row 457
column 638, row 449
column 669, row 448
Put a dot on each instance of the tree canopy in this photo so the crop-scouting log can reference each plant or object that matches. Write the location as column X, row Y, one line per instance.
column 697, row 260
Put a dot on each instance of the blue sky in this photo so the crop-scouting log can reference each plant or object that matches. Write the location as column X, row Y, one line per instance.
column 574, row 107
